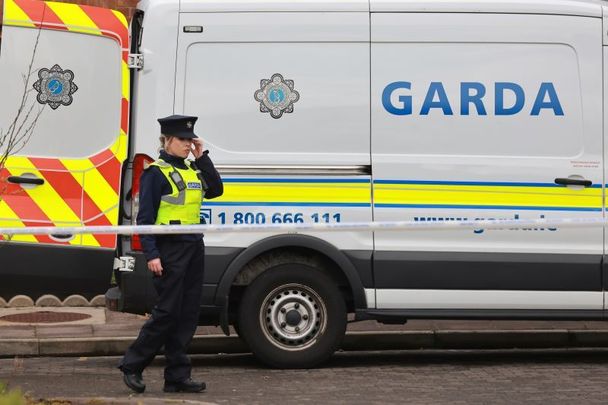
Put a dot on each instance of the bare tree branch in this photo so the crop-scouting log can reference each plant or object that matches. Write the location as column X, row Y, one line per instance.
column 23, row 124
column 21, row 128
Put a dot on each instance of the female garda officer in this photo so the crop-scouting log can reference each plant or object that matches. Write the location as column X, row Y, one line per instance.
column 171, row 192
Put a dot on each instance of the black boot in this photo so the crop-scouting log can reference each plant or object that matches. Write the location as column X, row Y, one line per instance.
column 185, row 386
column 134, row 381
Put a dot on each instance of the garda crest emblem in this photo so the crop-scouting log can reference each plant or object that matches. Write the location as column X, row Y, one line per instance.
column 276, row 96
column 55, row 87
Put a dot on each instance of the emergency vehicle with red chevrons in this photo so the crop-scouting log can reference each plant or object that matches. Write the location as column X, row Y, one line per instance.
column 318, row 112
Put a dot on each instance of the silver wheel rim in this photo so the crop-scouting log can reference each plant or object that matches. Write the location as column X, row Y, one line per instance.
column 293, row 316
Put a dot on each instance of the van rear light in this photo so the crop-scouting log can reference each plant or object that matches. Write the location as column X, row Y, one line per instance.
column 140, row 163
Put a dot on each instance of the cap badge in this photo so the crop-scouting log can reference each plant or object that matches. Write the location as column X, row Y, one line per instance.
column 276, row 96
column 189, row 124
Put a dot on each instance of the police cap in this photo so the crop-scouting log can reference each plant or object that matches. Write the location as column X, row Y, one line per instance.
column 181, row 126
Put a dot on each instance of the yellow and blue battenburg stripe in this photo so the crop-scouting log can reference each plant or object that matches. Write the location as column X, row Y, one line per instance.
column 331, row 192
column 485, row 195
column 300, row 192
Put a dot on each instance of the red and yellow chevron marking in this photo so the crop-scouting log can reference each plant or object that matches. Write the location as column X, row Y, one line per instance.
column 70, row 17
column 76, row 192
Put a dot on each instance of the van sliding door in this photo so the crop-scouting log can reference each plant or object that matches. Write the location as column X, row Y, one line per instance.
column 282, row 98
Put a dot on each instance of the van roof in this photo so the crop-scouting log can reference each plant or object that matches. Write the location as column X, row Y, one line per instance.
column 590, row 8
column 273, row 5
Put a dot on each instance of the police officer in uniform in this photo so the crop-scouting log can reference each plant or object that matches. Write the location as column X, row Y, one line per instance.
column 171, row 192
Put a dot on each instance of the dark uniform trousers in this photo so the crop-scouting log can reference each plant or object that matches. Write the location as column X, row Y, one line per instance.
column 175, row 317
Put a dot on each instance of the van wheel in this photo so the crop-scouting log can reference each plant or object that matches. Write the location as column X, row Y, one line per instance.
column 292, row 316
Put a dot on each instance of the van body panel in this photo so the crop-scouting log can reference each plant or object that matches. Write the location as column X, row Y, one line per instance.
column 453, row 143
column 489, row 299
column 487, row 271
column 218, row 81
column 316, row 133
column 282, row 28
column 605, row 23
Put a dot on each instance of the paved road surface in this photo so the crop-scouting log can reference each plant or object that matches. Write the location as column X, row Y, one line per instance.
column 413, row 377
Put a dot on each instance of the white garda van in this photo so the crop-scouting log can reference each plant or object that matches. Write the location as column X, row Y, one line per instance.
column 326, row 112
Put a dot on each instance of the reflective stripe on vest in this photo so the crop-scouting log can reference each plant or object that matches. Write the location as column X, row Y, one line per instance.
column 181, row 206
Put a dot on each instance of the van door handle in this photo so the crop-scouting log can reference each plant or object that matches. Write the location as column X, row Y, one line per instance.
column 62, row 237
column 573, row 182
column 25, row 180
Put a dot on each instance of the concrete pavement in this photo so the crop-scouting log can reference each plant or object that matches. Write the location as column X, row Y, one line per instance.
column 105, row 332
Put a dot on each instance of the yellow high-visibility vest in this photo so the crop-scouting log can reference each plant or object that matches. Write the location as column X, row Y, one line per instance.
column 183, row 205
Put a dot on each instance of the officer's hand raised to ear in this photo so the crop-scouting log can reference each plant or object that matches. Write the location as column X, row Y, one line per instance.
column 197, row 147
column 155, row 267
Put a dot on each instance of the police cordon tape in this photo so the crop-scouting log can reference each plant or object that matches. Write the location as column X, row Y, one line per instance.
column 505, row 224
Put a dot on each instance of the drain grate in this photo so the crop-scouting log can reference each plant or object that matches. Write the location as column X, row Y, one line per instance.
column 44, row 317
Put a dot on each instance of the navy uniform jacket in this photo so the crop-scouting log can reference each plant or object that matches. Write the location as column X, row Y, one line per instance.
column 153, row 185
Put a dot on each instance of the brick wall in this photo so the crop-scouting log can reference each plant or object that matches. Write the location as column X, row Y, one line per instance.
column 125, row 6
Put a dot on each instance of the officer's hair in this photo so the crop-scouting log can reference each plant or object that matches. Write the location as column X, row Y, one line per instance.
column 163, row 141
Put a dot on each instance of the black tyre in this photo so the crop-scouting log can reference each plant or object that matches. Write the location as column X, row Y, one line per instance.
column 292, row 316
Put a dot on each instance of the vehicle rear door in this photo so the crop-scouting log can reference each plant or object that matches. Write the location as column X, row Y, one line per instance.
column 65, row 77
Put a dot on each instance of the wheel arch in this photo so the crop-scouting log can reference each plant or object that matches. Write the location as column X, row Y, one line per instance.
column 287, row 241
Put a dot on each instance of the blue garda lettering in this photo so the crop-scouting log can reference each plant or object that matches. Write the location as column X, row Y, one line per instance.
column 509, row 99
column 547, row 89
column 436, row 89
column 466, row 98
column 406, row 107
column 499, row 105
